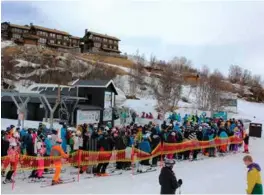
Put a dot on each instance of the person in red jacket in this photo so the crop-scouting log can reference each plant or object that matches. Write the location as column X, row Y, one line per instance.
column 13, row 157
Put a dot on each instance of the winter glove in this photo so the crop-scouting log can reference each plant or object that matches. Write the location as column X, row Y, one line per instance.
column 180, row 182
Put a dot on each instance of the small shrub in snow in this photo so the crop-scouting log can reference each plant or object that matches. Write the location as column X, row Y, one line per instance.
column 184, row 99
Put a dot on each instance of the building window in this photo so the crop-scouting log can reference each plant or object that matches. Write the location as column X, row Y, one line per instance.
column 115, row 42
column 115, row 47
column 64, row 43
column 110, row 41
column 41, row 33
column 42, row 40
column 105, row 40
column 4, row 27
column 52, row 41
column 16, row 30
column 59, row 42
column 66, row 38
column 16, row 36
column 105, row 46
column 52, row 35
column 97, row 44
column 25, row 31
column 59, row 36
column 97, row 38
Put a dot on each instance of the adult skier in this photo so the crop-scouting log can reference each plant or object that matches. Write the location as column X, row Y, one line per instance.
column 167, row 178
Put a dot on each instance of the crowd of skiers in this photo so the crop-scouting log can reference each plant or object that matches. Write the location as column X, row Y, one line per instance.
column 94, row 137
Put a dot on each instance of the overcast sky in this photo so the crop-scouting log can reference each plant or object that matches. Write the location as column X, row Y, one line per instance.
column 210, row 33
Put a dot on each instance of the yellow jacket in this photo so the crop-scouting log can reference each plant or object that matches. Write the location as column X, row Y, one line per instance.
column 254, row 179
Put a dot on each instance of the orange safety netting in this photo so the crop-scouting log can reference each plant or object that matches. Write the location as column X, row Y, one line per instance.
column 84, row 158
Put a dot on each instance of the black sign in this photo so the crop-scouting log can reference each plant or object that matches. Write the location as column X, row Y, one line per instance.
column 255, row 130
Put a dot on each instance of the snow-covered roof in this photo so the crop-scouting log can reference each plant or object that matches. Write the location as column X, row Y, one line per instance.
column 94, row 83
column 228, row 95
column 39, row 87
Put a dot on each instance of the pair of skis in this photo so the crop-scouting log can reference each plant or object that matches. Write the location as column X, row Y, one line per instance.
column 145, row 171
column 64, row 181
column 97, row 176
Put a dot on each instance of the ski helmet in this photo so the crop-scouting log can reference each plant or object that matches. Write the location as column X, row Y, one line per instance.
column 169, row 162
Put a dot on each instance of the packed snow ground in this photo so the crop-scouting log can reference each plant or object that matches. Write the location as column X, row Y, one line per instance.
column 221, row 175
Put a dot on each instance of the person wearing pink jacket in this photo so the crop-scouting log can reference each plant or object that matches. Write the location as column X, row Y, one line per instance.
column 41, row 150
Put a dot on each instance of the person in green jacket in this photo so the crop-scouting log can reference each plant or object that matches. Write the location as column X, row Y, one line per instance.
column 254, row 182
column 71, row 143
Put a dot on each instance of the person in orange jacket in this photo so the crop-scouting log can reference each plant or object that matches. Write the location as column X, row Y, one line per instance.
column 58, row 153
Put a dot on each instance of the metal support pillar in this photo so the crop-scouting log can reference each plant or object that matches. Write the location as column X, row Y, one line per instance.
column 72, row 113
column 45, row 108
column 21, row 108
column 52, row 110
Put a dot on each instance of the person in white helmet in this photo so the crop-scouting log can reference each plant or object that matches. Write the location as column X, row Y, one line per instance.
column 167, row 178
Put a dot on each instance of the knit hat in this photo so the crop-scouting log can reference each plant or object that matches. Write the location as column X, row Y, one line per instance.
column 59, row 140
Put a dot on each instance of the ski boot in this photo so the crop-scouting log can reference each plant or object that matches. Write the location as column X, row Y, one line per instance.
column 3, row 173
column 8, row 181
column 56, row 182
column 104, row 174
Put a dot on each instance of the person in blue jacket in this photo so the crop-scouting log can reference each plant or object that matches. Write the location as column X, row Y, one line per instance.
column 179, row 118
column 23, row 135
column 211, row 136
column 48, row 145
column 145, row 147
column 185, row 118
column 176, row 127
column 232, row 127
column 157, row 128
column 64, row 138
column 223, row 135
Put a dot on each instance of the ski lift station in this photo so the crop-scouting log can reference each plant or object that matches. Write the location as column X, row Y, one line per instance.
column 83, row 101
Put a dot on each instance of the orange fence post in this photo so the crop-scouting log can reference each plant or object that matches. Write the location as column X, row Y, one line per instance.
column 161, row 156
column 15, row 169
column 79, row 163
column 132, row 160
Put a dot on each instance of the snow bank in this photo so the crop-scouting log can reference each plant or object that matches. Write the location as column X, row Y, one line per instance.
column 116, row 66
column 23, row 63
column 250, row 110
column 7, row 44
column 120, row 98
column 27, row 123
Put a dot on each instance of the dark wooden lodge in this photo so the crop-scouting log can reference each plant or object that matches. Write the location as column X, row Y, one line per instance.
column 96, row 42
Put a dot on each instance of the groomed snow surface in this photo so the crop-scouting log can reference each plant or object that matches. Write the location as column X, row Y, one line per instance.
column 221, row 175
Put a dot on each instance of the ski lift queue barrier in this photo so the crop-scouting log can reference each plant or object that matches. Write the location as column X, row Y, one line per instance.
column 87, row 158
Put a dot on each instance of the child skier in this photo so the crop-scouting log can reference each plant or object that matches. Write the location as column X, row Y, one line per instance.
column 167, row 178
column 253, row 176
column 58, row 153
column 41, row 150
column 246, row 140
